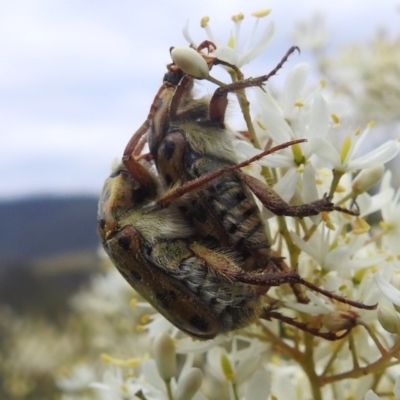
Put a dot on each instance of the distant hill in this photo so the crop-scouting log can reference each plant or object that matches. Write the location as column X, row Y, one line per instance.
column 47, row 226
column 48, row 249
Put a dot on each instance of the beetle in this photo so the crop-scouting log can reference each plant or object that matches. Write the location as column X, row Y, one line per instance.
column 201, row 289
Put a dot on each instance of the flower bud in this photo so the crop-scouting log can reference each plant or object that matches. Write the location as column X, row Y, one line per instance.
column 164, row 354
column 189, row 384
column 388, row 318
column 395, row 281
column 340, row 320
column 367, row 178
column 190, row 62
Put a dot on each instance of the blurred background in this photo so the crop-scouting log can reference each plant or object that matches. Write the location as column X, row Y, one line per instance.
column 77, row 79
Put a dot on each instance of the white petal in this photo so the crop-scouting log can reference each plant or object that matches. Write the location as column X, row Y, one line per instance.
column 261, row 45
column 267, row 100
column 293, row 86
column 370, row 395
column 319, row 118
column 312, row 251
column 335, row 261
column 388, row 289
column 149, row 369
column 186, row 35
column 188, row 345
column 310, row 192
column 380, row 155
column 326, row 151
column 227, row 54
column 286, row 185
column 277, row 128
column 259, row 386
column 359, row 140
column 396, row 389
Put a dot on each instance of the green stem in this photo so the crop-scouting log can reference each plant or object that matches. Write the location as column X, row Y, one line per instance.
column 169, row 390
column 293, row 250
column 309, row 367
column 383, row 363
column 245, row 107
column 333, row 357
column 216, row 81
column 235, row 392
column 335, row 182
column 282, row 347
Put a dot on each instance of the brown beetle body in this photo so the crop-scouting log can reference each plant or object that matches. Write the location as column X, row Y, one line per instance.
column 206, row 274
column 157, row 253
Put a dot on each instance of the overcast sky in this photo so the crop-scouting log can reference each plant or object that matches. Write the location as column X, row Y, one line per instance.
column 77, row 77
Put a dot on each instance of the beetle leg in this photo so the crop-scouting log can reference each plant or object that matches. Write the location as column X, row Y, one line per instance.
column 268, row 314
column 181, row 90
column 194, row 184
column 273, row 202
column 206, row 44
column 219, row 99
column 160, row 108
column 136, row 139
column 293, row 277
column 141, row 176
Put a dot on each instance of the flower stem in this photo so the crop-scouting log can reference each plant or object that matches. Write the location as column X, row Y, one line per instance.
column 169, row 390
column 335, row 182
column 309, row 367
column 245, row 107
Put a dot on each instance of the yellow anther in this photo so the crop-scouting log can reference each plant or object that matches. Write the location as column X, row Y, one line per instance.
column 145, row 319
column 227, row 368
column 204, row 21
column 335, row 118
column 299, row 104
column 322, row 83
column 263, row 127
column 340, row 189
column 325, row 172
column 371, row 124
column 130, row 362
column 133, row 302
column 325, row 217
column 360, row 226
column 358, row 276
column 261, row 13
column 357, row 131
column 384, row 225
column 297, row 154
column 238, row 17
column 140, row 328
column 344, row 151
